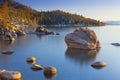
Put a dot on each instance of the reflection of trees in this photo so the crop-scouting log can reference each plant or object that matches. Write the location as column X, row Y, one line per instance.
column 81, row 56
column 5, row 46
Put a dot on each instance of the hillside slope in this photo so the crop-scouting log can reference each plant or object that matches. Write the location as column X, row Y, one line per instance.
column 18, row 13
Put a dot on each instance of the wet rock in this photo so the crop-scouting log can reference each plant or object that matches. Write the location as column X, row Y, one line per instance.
column 50, row 72
column 8, row 36
column 116, row 44
column 31, row 60
column 1, row 31
column 99, row 65
column 20, row 33
column 13, row 33
column 36, row 67
column 57, row 33
column 7, row 52
column 43, row 31
column 82, row 39
column 10, row 75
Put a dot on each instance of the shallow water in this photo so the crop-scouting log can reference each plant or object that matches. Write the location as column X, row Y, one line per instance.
column 71, row 64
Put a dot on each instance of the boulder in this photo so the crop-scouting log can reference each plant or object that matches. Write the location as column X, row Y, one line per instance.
column 99, row 65
column 10, row 75
column 82, row 39
column 20, row 33
column 36, row 67
column 8, row 36
column 43, row 31
column 50, row 72
column 31, row 60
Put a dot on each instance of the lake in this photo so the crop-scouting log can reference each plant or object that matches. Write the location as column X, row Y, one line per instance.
column 51, row 50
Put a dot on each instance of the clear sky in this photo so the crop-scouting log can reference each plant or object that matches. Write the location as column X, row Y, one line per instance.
column 97, row 9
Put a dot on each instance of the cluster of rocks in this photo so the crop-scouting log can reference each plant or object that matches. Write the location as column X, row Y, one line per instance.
column 84, row 39
column 49, row 72
column 44, row 31
column 11, row 35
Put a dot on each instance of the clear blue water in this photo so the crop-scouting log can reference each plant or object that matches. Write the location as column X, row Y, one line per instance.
column 71, row 64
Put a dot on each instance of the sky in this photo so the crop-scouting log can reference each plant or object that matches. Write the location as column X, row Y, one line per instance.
column 103, row 10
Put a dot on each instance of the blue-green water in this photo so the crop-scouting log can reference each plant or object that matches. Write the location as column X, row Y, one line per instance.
column 71, row 64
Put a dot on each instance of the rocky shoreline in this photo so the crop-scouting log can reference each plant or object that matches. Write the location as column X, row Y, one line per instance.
column 11, row 35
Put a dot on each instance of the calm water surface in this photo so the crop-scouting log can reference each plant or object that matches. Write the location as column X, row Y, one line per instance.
column 71, row 64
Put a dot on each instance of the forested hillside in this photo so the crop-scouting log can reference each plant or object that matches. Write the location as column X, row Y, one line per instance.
column 14, row 14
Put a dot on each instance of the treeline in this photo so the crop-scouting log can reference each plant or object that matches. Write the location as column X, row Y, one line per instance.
column 13, row 13
column 11, row 17
column 58, row 17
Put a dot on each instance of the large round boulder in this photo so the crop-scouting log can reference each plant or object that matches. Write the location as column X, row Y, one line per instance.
column 82, row 39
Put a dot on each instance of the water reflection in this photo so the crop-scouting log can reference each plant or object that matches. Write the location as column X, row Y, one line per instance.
column 84, row 57
column 51, row 76
column 6, row 45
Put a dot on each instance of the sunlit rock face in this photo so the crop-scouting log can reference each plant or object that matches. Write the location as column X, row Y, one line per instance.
column 50, row 72
column 99, row 65
column 82, row 39
column 36, row 67
column 10, row 75
column 43, row 31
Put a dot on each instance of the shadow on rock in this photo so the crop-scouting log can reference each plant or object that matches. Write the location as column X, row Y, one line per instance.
column 81, row 56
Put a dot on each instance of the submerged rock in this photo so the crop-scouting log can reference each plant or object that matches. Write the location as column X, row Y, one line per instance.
column 116, row 44
column 57, row 33
column 50, row 72
column 36, row 67
column 99, row 65
column 82, row 39
column 7, row 52
column 10, row 75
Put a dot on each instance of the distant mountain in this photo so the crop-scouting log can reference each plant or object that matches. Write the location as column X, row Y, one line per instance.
column 112, row 22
